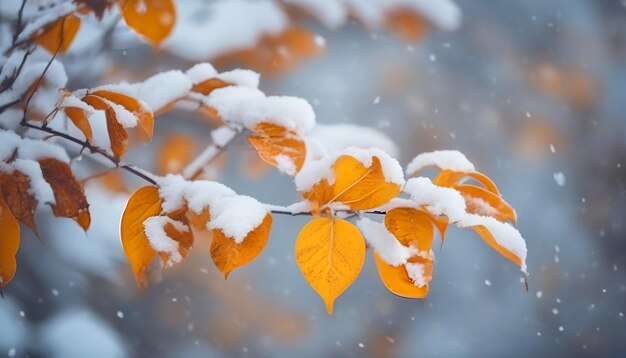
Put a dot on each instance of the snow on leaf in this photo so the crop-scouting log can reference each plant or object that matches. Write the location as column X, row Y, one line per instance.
column 10, row 243
column 330, row 253
column 228, row 255
column 144, row 116
column 279, row 147
column 153, row 19
column 117, row 134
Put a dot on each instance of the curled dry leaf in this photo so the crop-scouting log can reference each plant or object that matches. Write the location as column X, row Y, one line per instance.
column 153, row 19
column 279, row 147
column 228, row 255
column 117, row 134
column 144, row 116
column 330, row 253
column 356, row 186
column 143, row 204
column 69, row 194
column 15, row 188
column 59, row 35
column 9, row 244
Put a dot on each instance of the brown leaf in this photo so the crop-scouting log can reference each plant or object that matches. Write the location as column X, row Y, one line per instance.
column 15, row 188
column 68, row 192
column 10, row 243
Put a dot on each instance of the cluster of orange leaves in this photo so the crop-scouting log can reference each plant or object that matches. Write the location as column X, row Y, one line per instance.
column 18, row 205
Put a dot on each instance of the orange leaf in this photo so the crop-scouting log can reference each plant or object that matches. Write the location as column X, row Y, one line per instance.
column 143, row 204
column 206, row 87
column 483, row 202
column 228, row 255
column 451, row 179
column 117, row 134
column 407, row 24
column 144, row 116
column 177, row 151
column 80, row 119
column 397, row 280
column 411, row 227
column 330, row 253
column 273, row 141
column 68, row 192
column 489, row 239
column 59, row 35
column 153, row 19
column 10, row 243
column 15, row 188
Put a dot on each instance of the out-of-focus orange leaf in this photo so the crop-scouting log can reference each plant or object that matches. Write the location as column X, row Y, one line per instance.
column 177, row 151
column 229, row 255
column 153, row 19
column 59, row 35
column 15, row 188
column 144, row 116
column 356, row 186
column 279, row 147
column 206, row 87
column 143, row 204
column 330, row 253
column 98, row 7
column 9, row 244
column 407, row 24
column 69, row 194
column 117, row 134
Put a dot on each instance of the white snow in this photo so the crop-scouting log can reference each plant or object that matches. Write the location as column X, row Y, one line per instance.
column 39, row 188
column 443, row 159
column 154, row 227
column 449, row 202
column 201, row 72
column 559, row 178
column 327, row 139
column 206, row 30
column 318, row 170
column 237, row 216
column 285, row 165
column 415, row 270
column 385, row 244
column 239, row 77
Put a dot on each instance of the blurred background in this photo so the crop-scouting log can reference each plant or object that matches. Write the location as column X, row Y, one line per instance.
column 532, row 92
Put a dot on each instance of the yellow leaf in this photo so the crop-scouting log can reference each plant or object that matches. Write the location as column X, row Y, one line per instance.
column 143, row 204
column 397, row 280
column 153, row 19
column 451, row 179
column 9, row 244
column 69, row 195
column 272, row 141
column 59, row 35
column 144, row 116
column 490, row 240
column 411, row 227
column 228, row 255
column 206, row 87
column 330, row 253
column 361, row 188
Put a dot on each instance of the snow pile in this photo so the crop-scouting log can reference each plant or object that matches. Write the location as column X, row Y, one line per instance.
column 443, row 159
column 248, row 107
column 206, row 30
column 154, row 227
column 18, row 154
column 449, row 202
column 235, row 215
column 333, row 13
column 22, row 78
column 239, row 77
column 318, row 170
column 385, row 244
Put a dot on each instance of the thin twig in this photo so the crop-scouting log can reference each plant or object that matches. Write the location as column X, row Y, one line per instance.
column 19, row 25
column 93, row 149
column 194, row 169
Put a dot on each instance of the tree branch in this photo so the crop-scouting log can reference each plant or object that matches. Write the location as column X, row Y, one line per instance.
column 222, row 136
